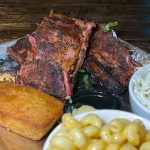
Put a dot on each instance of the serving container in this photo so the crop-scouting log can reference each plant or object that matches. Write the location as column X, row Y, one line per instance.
column 136, row 106
column 98, row 100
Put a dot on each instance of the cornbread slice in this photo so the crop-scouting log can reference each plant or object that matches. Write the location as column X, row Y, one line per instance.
column 27, row 111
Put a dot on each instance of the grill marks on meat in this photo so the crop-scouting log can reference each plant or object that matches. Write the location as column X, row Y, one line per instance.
column 109, row 62
column 52, row 55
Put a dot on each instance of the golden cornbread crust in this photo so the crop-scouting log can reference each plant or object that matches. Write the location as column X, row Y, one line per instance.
column 28, row 111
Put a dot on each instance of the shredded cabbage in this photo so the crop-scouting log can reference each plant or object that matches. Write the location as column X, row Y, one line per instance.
column 142, row 87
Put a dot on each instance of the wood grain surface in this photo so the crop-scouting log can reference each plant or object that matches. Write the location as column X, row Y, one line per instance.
column 12, row 141
column 20, row 17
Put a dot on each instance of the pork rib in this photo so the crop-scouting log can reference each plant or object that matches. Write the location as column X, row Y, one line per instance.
column 51, row 56
column 109, row 62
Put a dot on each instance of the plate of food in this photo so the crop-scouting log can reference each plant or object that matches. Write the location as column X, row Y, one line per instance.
column 100, row 129
column 63, row 59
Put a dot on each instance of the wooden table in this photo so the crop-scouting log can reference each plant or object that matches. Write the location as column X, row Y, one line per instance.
column 19, row 17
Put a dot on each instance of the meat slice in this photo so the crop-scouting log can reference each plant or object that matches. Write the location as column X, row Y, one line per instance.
column 43, row 75
column 109, row 62
column 51, row 56
column 23, row 47
column 19, row 51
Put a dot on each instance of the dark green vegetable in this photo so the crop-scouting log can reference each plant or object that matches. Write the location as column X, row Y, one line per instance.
column 82, row 70
column 82, row 81
column 110, row 25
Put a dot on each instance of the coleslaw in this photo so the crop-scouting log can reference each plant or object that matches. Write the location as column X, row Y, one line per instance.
column 142, row 86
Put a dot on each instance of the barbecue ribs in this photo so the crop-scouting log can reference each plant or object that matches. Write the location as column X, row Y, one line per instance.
column 109, row 62
column 51, row 56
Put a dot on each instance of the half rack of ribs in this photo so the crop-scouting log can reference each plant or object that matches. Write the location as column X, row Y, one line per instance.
column 51, row 56
column 109, row 62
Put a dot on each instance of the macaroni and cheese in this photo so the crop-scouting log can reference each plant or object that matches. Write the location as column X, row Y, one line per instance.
column 91, row 133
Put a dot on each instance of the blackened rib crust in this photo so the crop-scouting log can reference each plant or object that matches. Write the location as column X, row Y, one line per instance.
column 109, row 62
column 19, row 51
column 52, row 55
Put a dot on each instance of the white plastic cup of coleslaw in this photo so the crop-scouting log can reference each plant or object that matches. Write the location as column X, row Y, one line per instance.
column 139, row 91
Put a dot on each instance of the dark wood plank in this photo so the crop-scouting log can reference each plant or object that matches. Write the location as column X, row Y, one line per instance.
column 19, row 17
